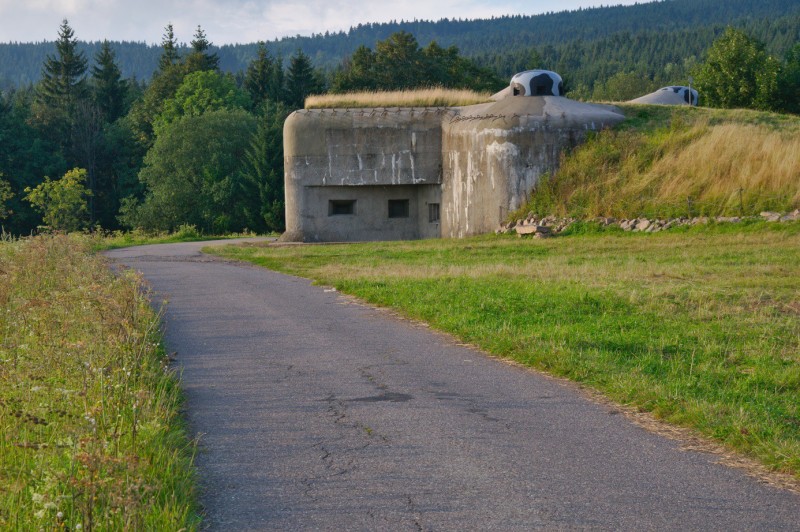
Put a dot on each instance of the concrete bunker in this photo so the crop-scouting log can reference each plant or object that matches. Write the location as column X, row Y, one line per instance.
column 672, row 95
column 410, row 173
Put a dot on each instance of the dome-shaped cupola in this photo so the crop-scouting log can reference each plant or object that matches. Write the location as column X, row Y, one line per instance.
column 537, row 83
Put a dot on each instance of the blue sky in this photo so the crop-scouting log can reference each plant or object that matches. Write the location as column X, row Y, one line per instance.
column 231, row 21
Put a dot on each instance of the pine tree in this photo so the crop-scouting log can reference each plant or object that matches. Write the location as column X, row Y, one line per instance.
column 108, row 88
column 200, row 58
column 169, row 44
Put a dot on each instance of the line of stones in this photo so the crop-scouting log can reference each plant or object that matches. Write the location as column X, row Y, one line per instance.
column 551, row 225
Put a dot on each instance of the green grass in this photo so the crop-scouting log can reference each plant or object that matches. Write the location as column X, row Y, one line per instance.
column 123, row 239
column 700, row 327
column 90, row 431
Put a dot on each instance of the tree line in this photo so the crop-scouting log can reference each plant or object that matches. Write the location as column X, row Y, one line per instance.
column 86, row 147
column 506, row 37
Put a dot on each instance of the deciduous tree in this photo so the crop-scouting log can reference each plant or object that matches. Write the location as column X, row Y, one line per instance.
column 738, row 73
column 63, row 202
column 192, row 174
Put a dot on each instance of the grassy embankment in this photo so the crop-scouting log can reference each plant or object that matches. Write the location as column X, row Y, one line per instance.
column 90, row 432
column 435, row 97
column 699, row 325
column 667, row 162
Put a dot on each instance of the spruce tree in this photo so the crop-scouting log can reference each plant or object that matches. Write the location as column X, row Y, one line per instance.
column 264, row 78
column 170, row 54
column 63, row 84
column 200, row 58
column 301, row 81
column 108, row 88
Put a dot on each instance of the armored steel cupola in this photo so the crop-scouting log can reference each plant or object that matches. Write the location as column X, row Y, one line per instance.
column 537, row 83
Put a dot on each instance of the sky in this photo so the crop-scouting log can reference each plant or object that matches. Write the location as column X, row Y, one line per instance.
column 241, row 21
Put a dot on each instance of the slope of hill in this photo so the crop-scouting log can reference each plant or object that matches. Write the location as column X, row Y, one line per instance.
column 502, row 38
column 668, row 162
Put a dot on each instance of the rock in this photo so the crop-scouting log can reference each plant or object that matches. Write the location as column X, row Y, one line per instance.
column 626, row 225
column 791, row 217
column 770, row 216
column 525, row 229
column 643, row 225
column 728, row 219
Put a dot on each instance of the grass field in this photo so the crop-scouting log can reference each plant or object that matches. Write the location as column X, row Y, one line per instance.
column 700, row 327
column 90, row 432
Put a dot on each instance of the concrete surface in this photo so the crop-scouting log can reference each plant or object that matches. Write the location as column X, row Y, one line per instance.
column 673, row 95
column 319, row 414
column 477, row 163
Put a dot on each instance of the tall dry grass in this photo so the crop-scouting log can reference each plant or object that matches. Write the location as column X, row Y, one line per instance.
column 686, row 163
column 433, row 97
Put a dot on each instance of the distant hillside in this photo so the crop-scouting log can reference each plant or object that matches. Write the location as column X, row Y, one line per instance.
column 502, row 43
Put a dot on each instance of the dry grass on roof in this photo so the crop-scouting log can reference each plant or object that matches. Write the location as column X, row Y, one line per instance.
column 435, row 97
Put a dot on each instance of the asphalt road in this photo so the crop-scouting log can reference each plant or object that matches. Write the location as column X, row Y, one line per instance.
column 320, row 414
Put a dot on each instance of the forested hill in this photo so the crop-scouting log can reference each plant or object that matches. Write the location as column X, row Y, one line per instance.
column 497, row 42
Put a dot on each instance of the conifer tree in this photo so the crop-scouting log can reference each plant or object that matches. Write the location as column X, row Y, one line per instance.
column 262, row 195
column 169, row 44
column 200, row 58
column 301, row 81
column 264, row 78
column 63, row 84
column 108, row 88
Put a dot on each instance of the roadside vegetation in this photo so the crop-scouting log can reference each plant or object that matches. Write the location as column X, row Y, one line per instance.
column 90, row 431
column 435, row 97
column 701, row 326
column 137, row 237
column 666, row 162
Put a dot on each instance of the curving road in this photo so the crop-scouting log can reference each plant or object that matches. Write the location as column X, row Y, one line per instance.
column 318, row 413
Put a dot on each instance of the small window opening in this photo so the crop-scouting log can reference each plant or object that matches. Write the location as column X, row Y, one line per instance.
column 341, row 207
column 398, row 208
column 433, row 212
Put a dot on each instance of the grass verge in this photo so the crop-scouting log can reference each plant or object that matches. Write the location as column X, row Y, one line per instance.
column 701, row 327
column 124, row 239
column 90, row 432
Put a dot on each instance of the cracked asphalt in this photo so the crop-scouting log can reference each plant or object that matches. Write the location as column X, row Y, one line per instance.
column 317, row 413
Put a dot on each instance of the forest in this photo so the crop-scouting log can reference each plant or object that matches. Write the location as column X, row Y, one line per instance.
column 99, row 137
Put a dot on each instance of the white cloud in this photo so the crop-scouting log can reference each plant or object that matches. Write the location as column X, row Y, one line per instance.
column 229, row 21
